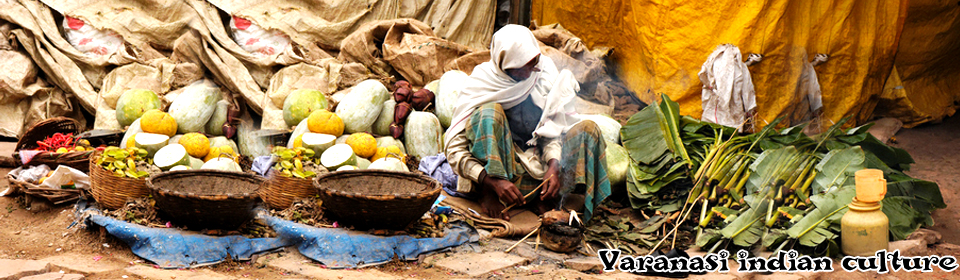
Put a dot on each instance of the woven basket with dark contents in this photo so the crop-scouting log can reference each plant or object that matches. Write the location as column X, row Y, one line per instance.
column 376, row 198
column 280, row 191
column 206, row 199
column 44, row 129
column 112, row 191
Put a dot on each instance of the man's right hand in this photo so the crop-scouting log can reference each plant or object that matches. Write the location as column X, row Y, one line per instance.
column 504, row 189
column 495, row 190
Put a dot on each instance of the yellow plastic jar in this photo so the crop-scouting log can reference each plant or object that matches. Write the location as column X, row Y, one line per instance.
column 864, row 229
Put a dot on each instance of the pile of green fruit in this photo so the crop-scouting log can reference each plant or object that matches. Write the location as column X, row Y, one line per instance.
column 126, row 162
column 298, row 162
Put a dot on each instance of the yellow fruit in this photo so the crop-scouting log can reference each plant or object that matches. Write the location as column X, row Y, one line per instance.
column 298, row 142
column 383, row 152
column 62, row 150
column 214, row 152
column 196, row 144
column 363, row 144
column 159, row 122
column 78, row 149
column 41, row 180
column 224, row 150
column 326, row 122
column 131, row 142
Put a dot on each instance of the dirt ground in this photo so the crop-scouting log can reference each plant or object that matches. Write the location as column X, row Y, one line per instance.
column 36, row 230
column 936, row 150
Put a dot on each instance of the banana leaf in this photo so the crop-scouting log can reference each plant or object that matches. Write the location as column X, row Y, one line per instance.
column 773, row 238
column 904, row 218
column 669, row 118
column 642, row 136
column 895, row 158
column 823, row 223
column 768, row 166
column 834, row 131
column 926, row 191
column 708, row 237
column 747, row 228
column 837, row 169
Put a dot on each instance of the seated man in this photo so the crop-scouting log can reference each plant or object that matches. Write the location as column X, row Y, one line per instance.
column 514, row 127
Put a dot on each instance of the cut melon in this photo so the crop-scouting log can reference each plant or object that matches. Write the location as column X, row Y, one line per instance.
column 317, row 142
column 382, row 125
column 338, row 155
column 301, row 128
column 170, row 156
column 451, row 83
column 223, row 164
column 423, row 135
column 609, row 128
column 150, row 142
column 387, row 141
column 389, row 163
column 363, row 163
column 214, row 126
column 132, row 130
column 194, row 106
column 180, row 167
column 347, row 167
column 360, row 108
column 618, row 162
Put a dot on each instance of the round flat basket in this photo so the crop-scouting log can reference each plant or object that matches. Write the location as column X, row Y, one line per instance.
column 46, row 128
column 112, row 191
column 376, row 198
column 280, row 192
column 206, row 199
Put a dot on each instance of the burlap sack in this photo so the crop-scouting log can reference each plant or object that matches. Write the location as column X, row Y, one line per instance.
column 364, row 45
column 26, row 99
column 325, row 23
column 144, row 25
column 402, row 46
column 467, row 62
column 420, row 58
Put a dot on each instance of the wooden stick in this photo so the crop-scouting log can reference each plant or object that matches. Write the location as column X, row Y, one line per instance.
column 521, row 240
column 528, row 194
column 536, row 247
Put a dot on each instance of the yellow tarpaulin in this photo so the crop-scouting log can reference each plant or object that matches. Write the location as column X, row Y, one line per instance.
column 660, row 46
column 925, row 83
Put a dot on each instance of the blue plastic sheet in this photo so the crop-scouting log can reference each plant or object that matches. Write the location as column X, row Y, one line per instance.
column 334, row 247
column 341, row 248
column 173, row 248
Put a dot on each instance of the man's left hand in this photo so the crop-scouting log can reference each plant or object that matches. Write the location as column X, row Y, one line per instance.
column 552, row 187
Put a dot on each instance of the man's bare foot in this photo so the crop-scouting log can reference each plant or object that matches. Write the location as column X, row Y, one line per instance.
column 490, row 205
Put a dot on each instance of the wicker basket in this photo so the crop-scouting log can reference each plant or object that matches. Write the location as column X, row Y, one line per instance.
column 206, row 199
column 112, row 191
column 46, row 128
column 55, row 196
column 377, row 198
column 280, row 192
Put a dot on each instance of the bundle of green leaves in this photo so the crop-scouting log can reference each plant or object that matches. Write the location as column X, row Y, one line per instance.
column 777, row 188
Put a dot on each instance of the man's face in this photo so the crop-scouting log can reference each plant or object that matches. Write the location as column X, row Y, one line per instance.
column 522, row 73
